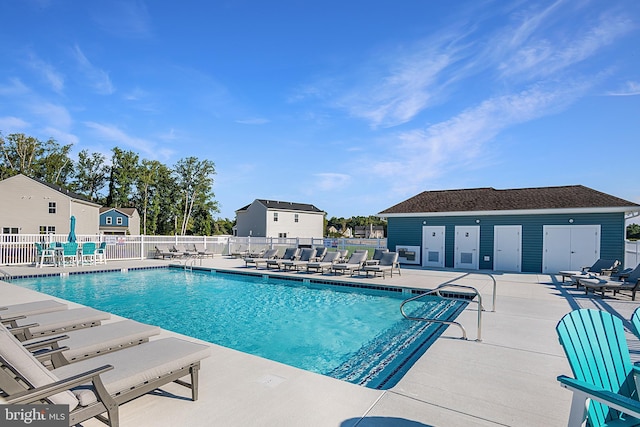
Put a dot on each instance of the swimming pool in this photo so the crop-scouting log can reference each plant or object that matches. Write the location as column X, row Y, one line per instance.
column 357, row 335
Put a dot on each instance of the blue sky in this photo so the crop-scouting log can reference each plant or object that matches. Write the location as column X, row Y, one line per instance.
column 351, row 106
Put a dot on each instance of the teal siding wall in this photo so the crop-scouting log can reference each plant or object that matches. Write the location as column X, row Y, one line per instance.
column 408, row 231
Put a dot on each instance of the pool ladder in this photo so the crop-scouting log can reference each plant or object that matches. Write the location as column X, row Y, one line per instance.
column 437, row 291
column 4, row 276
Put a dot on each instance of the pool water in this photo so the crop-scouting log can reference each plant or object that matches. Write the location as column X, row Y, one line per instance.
column 353, row 334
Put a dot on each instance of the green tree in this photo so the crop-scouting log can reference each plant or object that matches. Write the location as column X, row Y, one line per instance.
column 90, row 174
column 633, row 232
column 195, row 181
column 48, row 161
column 124, row 170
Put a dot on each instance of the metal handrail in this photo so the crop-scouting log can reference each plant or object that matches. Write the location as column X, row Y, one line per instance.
column 447, row 322
column 5, row 276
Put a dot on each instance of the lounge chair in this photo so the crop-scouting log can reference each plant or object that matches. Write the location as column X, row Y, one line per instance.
column 185, row 250
column 241, row 252
column 43, row 254
column 99, row 385
column 598, row 267
column 268, row 254
column 377, row 256
column 320, row 252
column 289, row 254
column 90, row 342
column 305, row 257
column 39, row 325
column 202, row 251
column 600, row 284
column 596, row 347
column 31, row 308
column 387, row 263
column 164, row 252
column 355, row 263
column 343, row 255
column 325, row 263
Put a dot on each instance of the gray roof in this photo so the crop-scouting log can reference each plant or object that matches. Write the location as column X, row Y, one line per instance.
column 490, row 199
column 290, row 206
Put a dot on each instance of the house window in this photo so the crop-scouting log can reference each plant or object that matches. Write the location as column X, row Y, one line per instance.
column 296, row 218
column 9, row 230
column 47, row 229
column 109, row 220
column 282, row 235
column 52, row 207
column 275, row 217
column 119, row 220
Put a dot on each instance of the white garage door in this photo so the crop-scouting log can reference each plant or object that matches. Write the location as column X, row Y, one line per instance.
column 569, row 247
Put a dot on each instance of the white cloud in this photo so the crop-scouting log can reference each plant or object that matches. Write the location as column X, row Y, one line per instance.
column 329, row 181
column 629, row 89
column 253, row 121
column 60, row 136
column 12, row 125
column 14, row 88
column 97, row 77
column 115, row 135
column 54, row 115
column 49, row 73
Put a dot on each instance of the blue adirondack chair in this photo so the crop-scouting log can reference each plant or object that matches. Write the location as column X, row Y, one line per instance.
column 596, row 347
column 635, row 321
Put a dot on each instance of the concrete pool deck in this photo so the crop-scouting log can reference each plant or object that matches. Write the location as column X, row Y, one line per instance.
column 507, row 379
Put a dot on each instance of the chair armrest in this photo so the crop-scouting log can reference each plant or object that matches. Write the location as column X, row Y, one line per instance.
column 48, row 342
column 39, row 393
column 44, row 355
column 613, row 400
column 11, row 320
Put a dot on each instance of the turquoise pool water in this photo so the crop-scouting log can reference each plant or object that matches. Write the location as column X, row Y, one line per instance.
column 353, row 334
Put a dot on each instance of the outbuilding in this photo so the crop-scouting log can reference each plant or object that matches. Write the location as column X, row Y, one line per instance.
column 544, row 229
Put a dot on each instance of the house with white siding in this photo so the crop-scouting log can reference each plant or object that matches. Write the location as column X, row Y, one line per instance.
column 545, row 229
column 272, row 218
column 29, row 206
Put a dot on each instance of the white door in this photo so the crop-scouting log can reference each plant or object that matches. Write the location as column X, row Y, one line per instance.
column 433, row 246
column 569, row 247
column 467, row 247
column 507, row 247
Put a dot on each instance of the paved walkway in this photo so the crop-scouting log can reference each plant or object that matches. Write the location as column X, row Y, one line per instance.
column 509, row 378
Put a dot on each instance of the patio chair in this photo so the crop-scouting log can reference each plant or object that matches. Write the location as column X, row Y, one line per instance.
column 99, row 385
column 186, row 250
column 598, row 267
column 289, row 254
column 88, row 253
column 355, row 263
column 39, row 325
column 599, row 284
column 305, row 257
column 44, row 253
column 69, row 254
column 635, row 321
column 325, row 263
column 387, row 263
column 596, row 348
column 268, row 254
column 82, row 344
column 101, row 253
column 320, row 252
column 31, row 308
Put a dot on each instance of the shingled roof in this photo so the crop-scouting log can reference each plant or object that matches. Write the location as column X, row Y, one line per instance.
column 490, row 199
column 290, row 206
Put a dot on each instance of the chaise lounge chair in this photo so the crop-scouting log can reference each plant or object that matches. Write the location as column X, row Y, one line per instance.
column 596, row 347
column 325, row 263
column 289, row 254
column 202, row 251
column 165, row 252
column 600, row 284
column 39, row 325
column 99, row 385
column 268, row 254
column 355, row 263
column 598, row 267
column 387, row 263
column 89, row 342
column 31, row 308
column 305, row 256
column 377, row 256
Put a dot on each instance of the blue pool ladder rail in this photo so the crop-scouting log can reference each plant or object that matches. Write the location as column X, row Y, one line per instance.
column 437, row 291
